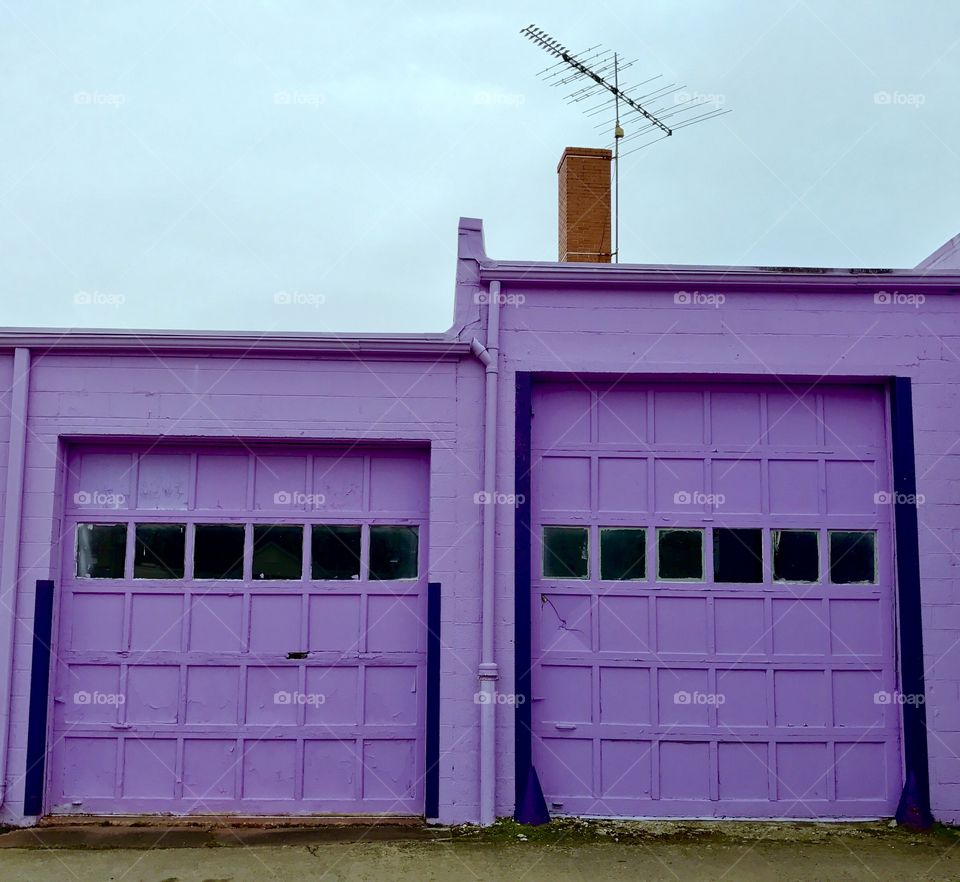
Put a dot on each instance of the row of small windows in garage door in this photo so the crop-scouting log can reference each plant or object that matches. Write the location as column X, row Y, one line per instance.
column 737, row 554
column 276, row 551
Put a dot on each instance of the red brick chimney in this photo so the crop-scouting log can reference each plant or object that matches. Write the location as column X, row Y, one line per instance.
column 584, row 178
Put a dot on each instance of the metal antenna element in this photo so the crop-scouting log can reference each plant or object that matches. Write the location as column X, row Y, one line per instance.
column 595, row 73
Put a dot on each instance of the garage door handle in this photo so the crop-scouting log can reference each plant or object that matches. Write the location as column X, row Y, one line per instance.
column 565, row 727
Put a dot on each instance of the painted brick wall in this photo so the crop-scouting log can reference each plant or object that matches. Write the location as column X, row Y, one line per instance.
column 626, row 330
column 260, row 398
column 642, row 332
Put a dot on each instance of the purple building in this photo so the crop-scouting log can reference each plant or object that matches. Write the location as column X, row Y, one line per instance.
column 669, row 541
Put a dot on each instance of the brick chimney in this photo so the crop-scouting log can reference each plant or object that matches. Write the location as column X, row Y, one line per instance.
column 584, row 179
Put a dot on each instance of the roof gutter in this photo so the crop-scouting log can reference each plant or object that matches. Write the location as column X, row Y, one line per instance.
column 215, row 343
column 770, row 280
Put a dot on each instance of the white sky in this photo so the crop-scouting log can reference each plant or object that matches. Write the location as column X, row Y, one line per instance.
column 150, row 178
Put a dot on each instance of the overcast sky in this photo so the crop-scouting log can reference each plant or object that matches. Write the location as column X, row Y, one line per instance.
column 177, row 164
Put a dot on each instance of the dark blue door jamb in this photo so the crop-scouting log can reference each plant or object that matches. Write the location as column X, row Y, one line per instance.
column 39, row 694
column 431, row 780
column 914, row 808
column 531, row 808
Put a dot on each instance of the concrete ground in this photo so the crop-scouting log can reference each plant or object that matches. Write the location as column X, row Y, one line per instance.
column 564, row 850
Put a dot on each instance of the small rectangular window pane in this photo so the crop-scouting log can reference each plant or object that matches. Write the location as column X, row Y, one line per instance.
column 394, row 552
column 101, row 550
column 623, row 553
column 737, row 555
column 277, row 551
column 679, row 554
column 159, row 551
column 335, row 551
column 796, row 555
column 853, row 557
column 218, row 551
column 565, row 552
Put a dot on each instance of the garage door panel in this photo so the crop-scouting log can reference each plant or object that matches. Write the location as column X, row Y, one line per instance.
column 280, row 483
column 334, row 623
column 682, row 625
column 678, row 417
column 163, row 482
column 740, row 626
column 851, row 416
column 680, row 485
column 565, row 413
column 221, row 482
column 622, row 417
column 625, row 696
column 152, row 694
column 626, row 769
column 331, row 768
column 338, row 481
column 90, row 700
column 622, row 484
column 737, row 486
column 735, row 418
column 213, row 695
column 564, row 483
column 340, row 705
column 743, row 772
column 149, row 768
column 275, row 621
column 713, row 688
column 852, row 487
column 246, row 695
column 794, row 486
column 209, row 769
column 856, row 627
column 96, row 621
column 101, row 480
column 156, row 622
column 624, row 624
column 566, row 623
column 793, row 418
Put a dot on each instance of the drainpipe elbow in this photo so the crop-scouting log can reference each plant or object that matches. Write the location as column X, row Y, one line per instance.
column 487, row 359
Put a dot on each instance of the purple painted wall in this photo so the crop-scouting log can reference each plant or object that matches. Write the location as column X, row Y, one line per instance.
column 646, row 322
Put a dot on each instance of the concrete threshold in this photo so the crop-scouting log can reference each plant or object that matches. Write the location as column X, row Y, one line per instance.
column 205, row 831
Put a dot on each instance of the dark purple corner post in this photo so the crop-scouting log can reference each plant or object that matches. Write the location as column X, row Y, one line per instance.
column 531, row 807
column 39, row 697
column 913, row 810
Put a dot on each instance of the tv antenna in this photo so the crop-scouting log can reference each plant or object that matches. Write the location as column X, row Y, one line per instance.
column 594, row 74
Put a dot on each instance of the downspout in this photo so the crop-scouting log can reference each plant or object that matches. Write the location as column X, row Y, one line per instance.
column 488, row 672
column 10, row 562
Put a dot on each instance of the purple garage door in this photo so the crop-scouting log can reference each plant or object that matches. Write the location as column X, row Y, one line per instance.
column 713, row 601
column 241, row 632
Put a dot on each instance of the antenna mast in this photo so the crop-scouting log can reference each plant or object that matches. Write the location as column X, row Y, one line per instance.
column 595, row 73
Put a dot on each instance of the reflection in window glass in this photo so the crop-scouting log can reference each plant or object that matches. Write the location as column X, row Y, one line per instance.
column 853, row 557
column 218, row 551
column 679, row 554
column 159, row 551
column 565, row 553
column 623, row 553
column 393, row 552
column 277, row 551
column 737, row 555
column 101, row 550
column 796, row 555
column 335, row 551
